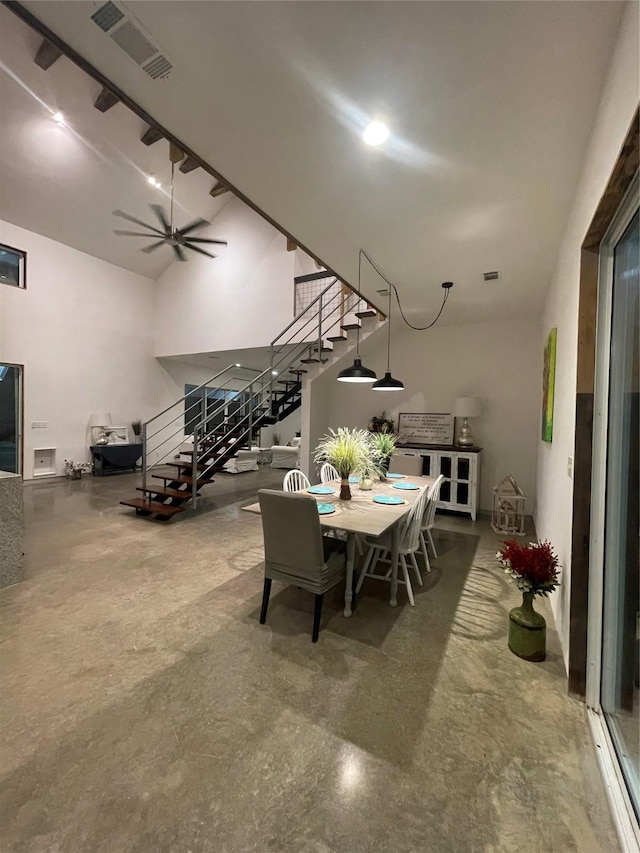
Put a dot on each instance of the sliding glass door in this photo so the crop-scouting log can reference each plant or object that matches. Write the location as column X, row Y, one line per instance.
column 11, row 418
column 614, row 617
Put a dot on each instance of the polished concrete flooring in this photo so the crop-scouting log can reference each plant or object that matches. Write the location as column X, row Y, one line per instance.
column 145, row 710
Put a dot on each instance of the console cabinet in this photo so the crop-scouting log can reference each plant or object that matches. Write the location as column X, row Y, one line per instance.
column 461, row 470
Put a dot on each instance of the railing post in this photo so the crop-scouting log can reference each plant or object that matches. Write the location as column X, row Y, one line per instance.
column 194, row 467
column 250, row 415
column 320, row 330
column 143, row 436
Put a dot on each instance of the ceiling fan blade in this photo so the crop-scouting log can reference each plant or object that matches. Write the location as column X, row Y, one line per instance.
column 124, row 215
column 206, row 240
column 197, row 223
column 159, row 212
column 153, row 246
column 188, row 245
column 131, row 233
column 179, row 253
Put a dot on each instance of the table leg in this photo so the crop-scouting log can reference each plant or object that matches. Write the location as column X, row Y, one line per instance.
column 348, row 590
column 395, row 543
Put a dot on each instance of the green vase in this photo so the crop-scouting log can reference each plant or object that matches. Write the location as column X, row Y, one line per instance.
column 527, row 630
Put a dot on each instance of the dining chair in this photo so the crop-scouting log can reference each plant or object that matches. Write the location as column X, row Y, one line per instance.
column 409, row 543
column 429, row 520
column 295, row 481
column 296, row 552
column 328, row 473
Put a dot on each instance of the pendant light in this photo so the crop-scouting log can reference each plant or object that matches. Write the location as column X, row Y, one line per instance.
column 388, row 383
column 357, row 372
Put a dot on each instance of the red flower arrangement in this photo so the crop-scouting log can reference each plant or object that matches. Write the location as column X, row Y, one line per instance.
column 534, row 567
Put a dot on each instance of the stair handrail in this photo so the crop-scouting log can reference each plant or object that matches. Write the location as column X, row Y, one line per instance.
column 302, row 313
column 184, row 396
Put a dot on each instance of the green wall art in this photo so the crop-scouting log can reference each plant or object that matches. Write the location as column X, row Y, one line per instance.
column 548, row 383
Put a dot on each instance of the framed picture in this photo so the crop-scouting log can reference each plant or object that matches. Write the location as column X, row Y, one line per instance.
column 548, row 385
column 427, row 428
column 13, row 266
column 117, row 434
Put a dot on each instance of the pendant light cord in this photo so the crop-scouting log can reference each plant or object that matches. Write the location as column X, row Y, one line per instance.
column 363, row 254
column 173, row 168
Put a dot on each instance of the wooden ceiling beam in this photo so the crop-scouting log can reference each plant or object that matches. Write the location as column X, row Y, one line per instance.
column 188, row 165
column 176, row 154
column 291, row 245
column 106, row 100
column 47, row 54
column 218, row 189
column 151, row 135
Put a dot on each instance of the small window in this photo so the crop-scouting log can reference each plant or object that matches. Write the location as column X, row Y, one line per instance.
column 13, row 266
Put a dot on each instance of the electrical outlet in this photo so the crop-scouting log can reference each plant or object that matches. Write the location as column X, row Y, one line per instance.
column 570, row 467
column 39, row 424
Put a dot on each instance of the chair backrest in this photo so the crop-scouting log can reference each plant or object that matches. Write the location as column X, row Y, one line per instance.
column 412, row 524
column 292, row 535
column 433, row 495
column 295, row 481
column 328, row 473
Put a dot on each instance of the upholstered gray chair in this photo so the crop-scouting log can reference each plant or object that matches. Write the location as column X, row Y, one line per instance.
column 295, row 551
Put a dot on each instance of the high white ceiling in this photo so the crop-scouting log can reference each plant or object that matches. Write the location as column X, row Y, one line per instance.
column 490, row 105
column 65, row 182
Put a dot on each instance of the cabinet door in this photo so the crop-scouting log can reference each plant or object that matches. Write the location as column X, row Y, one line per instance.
column 407, row 462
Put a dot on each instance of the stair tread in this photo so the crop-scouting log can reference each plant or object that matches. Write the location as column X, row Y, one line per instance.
column 313, row 360
column 200, row 466
column 337, row 338
column 369, row 312
column 178, row 494
column 348, row 327
column 152, row 506
column 184, row 478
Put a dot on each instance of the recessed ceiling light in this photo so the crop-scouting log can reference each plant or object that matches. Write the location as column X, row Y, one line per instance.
column 154, row 182
column 375, row 133
column 59, row 118
column 274, row 372
column 238, row 364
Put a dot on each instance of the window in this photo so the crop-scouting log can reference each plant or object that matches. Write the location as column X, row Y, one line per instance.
column 13, row 266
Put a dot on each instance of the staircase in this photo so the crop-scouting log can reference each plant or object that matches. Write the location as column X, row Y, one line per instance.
column 321, row 332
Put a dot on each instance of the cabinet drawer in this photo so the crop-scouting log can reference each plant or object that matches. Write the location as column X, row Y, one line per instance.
column 406, row 463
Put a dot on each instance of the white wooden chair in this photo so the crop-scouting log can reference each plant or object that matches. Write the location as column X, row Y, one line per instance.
column 295, row 481
column 429, row 520
column 409, row 543
column 328, row 473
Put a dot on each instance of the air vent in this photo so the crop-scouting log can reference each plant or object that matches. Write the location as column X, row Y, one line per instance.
column 494, row 275
column 107, row 16
column 131, row 38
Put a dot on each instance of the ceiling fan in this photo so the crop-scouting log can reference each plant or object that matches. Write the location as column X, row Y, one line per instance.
column 178, row 238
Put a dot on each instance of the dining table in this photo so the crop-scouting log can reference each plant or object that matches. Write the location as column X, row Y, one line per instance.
column 364, row 516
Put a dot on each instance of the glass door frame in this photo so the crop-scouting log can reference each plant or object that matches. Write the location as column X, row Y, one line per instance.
column 19, row 415
column 620, row 801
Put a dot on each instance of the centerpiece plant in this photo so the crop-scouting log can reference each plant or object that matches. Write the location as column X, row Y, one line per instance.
column 348, row 450
column 534, row 568
column 384, row 446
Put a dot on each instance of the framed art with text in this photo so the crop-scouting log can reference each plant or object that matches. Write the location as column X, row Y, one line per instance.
column 425, row 428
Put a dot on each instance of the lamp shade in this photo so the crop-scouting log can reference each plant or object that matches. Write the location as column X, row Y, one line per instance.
column 387, row 383
column 100, row 419
column 357, row 373
column 467, row 407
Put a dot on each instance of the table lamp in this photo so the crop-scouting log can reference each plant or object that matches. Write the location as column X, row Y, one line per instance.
column 465, row 408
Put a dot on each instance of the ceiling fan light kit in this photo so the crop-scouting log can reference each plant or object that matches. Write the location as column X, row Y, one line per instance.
column 178, row 238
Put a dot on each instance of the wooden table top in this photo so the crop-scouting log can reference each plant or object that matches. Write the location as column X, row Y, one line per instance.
column 361, row 514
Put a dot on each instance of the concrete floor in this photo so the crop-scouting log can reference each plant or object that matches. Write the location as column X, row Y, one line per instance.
column 145, row 710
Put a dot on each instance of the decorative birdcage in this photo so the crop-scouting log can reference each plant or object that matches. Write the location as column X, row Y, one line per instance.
column 508, row 507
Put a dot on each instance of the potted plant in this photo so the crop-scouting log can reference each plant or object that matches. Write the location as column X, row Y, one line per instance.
column 534, row 568
column 136, row 426
column 347, row 450
column 73, row 470
column 381, row 423
column 384, row 444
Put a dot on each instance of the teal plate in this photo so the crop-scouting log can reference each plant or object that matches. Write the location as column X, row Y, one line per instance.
column 321, row 490
column 406, row 486
column 325, row 509
column 387, row 499
column 354, row 479
column 395, row 476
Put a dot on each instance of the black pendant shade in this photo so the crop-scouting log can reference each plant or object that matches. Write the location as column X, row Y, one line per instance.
column 387, row 383
column 357, row 373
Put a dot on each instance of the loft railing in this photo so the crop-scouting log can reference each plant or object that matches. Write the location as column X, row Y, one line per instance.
column 230, row 424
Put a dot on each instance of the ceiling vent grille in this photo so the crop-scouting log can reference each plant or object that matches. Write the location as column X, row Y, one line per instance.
column 107, row 16
column 128, row 34
column 494, row 275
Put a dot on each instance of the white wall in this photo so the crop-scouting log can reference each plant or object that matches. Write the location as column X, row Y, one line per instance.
column 499, row 362
column 555, row 489
column 82, row 331
column 243, row 298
